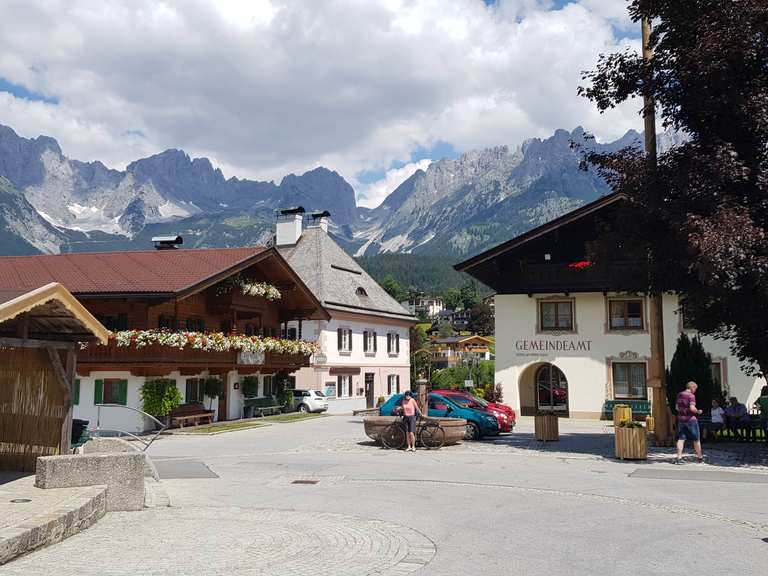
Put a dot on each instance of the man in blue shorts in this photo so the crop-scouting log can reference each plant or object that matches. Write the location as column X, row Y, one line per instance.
column 687, row 423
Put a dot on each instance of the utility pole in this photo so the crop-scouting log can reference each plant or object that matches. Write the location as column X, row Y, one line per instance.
column 656, row 379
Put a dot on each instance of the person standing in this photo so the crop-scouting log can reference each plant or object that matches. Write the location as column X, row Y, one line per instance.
column 410, row 409
column 687, row 422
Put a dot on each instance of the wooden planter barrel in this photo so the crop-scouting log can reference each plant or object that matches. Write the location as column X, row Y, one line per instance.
column 546, row 427
column 455, row 428
column 621, row 413
column 631, row 444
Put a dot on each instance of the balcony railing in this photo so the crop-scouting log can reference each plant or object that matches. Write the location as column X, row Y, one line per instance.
column 156, row 356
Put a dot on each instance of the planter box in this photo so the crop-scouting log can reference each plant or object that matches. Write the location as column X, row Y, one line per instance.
column 546, row 427
column 621, row 413
column 631, row 444
column 455, row 428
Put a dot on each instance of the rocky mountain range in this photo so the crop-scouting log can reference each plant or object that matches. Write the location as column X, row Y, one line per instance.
column 51, row 203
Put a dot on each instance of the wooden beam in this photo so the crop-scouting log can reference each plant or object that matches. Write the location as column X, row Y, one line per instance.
column 61, row 374
column 29, row 343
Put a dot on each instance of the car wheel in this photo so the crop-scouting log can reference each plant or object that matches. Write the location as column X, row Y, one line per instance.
column 473, row 431
column 303, row 408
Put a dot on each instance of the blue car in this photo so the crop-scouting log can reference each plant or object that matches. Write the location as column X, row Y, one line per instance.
column 479, row 424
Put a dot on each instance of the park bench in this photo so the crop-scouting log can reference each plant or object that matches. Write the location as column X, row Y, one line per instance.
column 640, row 408
column 747, row 432
column 264, row 406
column 192, row 413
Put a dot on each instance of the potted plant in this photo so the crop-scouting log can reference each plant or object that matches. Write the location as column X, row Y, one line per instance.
column 630, row 441
column 249, row 386
column 213, row 387
column 621, row 412
column 159, row 396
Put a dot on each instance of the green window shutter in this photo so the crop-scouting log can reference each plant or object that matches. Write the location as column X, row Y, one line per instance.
column 122, row 392
column 98, row 392
column 76, row 393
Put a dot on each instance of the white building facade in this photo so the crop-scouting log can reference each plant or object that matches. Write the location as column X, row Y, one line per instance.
column 365, row 353
column 566, row 340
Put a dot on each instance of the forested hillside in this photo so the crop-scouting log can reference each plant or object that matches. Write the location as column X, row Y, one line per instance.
column 430, row 274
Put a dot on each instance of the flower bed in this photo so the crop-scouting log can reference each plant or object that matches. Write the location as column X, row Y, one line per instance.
column 212, row 342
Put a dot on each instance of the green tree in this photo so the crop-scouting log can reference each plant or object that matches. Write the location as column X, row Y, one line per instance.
column 481, row 320
column 213, row 387
column 159, row 396
column 692, row 363
column 700, row 212
column 445, row 331
column 393, row 288
column 420, row 357
column 469, row 295
column 452, row 298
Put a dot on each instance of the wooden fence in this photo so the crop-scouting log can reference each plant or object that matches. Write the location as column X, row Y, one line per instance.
column 32, row 408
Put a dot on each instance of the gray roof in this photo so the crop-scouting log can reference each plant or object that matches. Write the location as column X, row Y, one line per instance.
column 335, row 278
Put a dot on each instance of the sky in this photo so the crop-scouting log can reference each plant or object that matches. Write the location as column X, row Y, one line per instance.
column 374, row 89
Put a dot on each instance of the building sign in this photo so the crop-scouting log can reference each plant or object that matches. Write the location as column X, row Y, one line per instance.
column 250, row 358
column 539, row 347
column 344, row 371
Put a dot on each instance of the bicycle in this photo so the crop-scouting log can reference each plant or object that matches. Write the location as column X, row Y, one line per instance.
column 428, row 432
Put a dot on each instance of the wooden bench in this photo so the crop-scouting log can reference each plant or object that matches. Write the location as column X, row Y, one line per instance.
column 193, row 412
column 264, row 406
column 640, row 408
column 751, row 431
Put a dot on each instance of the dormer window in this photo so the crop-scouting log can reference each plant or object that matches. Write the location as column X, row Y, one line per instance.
column 361, row 291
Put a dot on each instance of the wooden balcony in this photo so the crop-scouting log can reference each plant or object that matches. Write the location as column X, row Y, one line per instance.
column 560, row 277
column 157, row 360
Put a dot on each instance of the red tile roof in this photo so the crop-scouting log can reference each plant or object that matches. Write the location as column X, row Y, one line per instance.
column 155, row 271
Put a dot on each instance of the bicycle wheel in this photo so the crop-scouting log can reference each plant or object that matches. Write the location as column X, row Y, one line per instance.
column 393, row 436
column 432, row 436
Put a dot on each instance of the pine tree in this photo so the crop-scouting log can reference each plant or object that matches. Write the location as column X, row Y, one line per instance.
column 692, row 363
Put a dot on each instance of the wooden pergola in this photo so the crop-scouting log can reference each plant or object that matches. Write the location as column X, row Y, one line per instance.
column 39, row 335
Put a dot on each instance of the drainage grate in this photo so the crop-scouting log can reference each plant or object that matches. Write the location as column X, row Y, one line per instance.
column 20, row 500
column 305, row 482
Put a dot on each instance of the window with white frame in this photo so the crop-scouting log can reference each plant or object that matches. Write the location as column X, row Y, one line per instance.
column 344, row 339
column 629, row 380
column 369, row 343
column 393, row 384
column 393, row 343
column 344, row 386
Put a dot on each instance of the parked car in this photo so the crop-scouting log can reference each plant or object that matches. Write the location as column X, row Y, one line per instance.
column 469, row 400
column 479, row 423
column 309, row 401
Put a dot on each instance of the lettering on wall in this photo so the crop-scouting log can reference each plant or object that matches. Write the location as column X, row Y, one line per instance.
column 536, row 347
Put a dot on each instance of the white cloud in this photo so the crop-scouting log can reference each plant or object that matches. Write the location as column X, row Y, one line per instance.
column 271, row 86
column 373, row 194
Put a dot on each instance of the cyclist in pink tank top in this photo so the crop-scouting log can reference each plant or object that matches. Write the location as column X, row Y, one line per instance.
column 409, row 409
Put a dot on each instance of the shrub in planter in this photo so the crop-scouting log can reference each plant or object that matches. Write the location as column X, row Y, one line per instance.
column 159, row 396
column 249, row 386
column 213, row 388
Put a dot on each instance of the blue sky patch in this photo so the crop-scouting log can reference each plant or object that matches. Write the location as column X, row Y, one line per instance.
column 20, row 91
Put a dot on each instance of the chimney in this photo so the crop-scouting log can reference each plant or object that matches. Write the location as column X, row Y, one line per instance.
column 167, row 242
column 289, row 226
column 320, row 219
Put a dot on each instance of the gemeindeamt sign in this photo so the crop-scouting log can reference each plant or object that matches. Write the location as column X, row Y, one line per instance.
column 559, row 345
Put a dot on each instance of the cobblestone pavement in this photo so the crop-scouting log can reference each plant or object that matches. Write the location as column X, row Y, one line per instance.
column 233, row 541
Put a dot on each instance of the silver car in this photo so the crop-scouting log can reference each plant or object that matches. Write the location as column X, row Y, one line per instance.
column 309, row 401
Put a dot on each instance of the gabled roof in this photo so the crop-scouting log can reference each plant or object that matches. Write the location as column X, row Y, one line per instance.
column 337, row 280
column 460, row 339
column 113, row 273
column 52, row 313
column 550, row 226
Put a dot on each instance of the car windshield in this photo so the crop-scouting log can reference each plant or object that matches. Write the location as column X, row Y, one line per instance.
column 465, row 401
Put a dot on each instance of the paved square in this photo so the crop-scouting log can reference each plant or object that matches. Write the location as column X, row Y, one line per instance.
column 506, row 506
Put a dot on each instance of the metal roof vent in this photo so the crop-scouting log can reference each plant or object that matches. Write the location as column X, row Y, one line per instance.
column 167, row 242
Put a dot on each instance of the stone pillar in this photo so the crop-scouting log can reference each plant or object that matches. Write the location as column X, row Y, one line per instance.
column 422, row 391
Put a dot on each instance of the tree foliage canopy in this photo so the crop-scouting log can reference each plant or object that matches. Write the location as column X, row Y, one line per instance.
column 692, row 363
column 702, row 212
